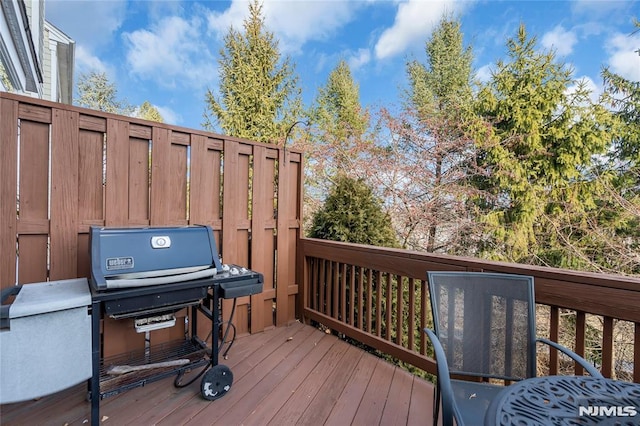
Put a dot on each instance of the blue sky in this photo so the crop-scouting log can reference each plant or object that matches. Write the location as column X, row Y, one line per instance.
column 167, row 52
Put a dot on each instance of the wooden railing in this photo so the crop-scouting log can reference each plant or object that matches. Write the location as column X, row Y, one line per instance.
column 379, row 297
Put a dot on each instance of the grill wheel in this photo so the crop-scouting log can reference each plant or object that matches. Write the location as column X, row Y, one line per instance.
column 216, row 382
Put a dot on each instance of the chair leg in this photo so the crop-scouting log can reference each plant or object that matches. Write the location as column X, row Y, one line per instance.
column 436, row 405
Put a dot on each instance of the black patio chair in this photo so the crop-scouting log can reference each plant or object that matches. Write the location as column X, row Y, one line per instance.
column 484, row 329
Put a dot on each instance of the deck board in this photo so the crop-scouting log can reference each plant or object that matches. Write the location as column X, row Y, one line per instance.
column 348, row 402
column 283, row 376
column 375, row 396
column 396, row 407
column 327, row 395
column 314, row 388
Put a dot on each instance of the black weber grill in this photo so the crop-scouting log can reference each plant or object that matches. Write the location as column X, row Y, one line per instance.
column 146, row 275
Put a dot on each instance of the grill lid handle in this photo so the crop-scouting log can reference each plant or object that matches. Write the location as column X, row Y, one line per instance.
column 140, row 282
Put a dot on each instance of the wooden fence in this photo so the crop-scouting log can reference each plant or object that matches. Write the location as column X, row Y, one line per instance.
column 64, row 168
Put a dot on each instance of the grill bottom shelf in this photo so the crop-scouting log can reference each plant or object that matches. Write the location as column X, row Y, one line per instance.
column 142, row 362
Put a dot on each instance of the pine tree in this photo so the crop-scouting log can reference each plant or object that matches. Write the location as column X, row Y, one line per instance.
column 620, row 176
column 351, row 213
column 259, row 95
column 149, row 112
column 4, row 79
column 431, row 151
column 442, row 86
column 624, row 98
column 334, row 137
column 339, row 120
column 97, row 92
column 536, row 152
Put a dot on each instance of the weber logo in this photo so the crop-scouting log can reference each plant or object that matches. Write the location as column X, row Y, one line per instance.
column 116, row 263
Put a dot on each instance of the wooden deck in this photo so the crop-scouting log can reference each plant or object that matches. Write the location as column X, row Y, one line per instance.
column 288, row 375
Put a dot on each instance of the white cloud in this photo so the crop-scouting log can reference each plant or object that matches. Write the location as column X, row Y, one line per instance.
column 172, row 52
column 293, row 23
column 414, row 21
column 90, row 23
column 298, row 22
column 169, row 115
column 483, row 74
column 219, row 22
column 596, row 9
column 624, row 58
column 561, row 40
column 359, row 59
column 86, row 62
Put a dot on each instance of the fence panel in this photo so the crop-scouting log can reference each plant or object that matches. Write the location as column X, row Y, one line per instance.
column 64, row 169
column 8, row 190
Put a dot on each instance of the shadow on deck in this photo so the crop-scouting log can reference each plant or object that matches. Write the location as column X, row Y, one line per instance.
column 287, row 375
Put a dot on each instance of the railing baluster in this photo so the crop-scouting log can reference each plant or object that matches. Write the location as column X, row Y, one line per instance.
column 330, row 284
column 378, row 313
column 343, row 293
column 369, row 298
column 315, row 277
column 352, row 290
column 580, row 340
column 361, row 298
column 607, row 347
column 554, row 321
column 322, row 287
column 412, row 313
column 423, row 316
column 636, row 353
column 389, row 307
column 336, row 289
column 399, row 309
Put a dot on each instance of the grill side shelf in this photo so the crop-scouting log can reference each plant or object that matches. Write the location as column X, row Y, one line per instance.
column 241, row 284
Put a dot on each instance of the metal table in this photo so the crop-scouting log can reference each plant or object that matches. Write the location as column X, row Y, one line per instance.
column 566, row 400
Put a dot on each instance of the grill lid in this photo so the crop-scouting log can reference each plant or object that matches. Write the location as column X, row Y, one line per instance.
column 136, row 257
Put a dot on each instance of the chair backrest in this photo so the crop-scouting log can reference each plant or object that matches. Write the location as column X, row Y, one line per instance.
column 485, row 323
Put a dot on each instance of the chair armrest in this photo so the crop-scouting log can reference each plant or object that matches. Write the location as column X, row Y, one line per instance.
column 444, row 381
column 577, row 358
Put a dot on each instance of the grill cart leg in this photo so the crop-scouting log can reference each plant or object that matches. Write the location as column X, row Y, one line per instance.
column 217, row 381
column 94, row 383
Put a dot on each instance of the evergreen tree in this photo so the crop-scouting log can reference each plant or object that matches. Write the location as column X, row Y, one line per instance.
column 536, row 152
column 149, row 112
column 334, row 138
column 623, row 96
column 259, row 94
column 351, row 213
column 442, row 86
column 4, row 79
column 338, row 118
column 95, row 91
column 620, row 176
column 431, row 150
